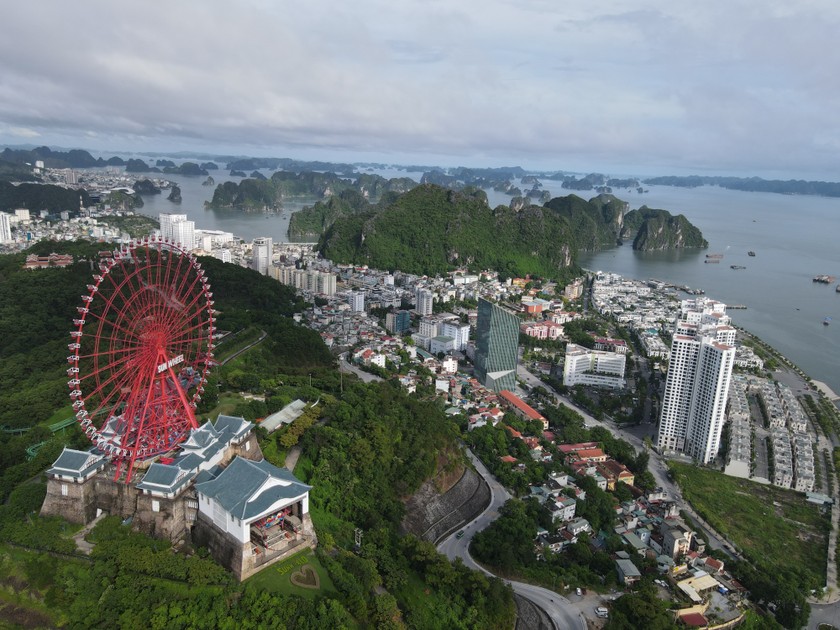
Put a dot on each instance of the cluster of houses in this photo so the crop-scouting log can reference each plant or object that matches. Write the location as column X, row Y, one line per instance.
column 792, row 443
column 644, row 307
column 649, row 527
column 587, row 459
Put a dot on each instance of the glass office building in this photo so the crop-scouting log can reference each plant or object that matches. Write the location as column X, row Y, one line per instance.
column 496, row 344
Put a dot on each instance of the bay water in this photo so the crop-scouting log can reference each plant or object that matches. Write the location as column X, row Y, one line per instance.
column 794, row 239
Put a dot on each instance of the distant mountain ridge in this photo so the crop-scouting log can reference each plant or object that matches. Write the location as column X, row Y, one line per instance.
column 751, row 184
column 254, row 193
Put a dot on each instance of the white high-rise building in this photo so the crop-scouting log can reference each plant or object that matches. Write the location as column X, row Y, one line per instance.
column 697, row 386
column 325, row 282
column 261, row 253
column 424, row 299
column 176, row 227
column 356, row 299
column 5, row 228
column 429, row 327
column 458, row 331
column 583, row 366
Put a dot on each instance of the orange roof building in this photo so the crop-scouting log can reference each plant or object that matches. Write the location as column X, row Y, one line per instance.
column 522, row 409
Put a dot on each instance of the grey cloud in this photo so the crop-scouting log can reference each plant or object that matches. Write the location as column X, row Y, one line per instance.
column 719, row 83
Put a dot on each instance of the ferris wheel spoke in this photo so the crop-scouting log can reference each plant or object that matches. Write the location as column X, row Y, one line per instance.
column 112, row 377
column 126, row 331
column 154, row 307
column 186, row 335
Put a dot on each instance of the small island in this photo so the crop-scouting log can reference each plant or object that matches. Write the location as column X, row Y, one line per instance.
column 175, row 194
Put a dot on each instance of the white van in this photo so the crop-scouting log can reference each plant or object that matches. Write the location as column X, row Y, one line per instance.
column 602, row 612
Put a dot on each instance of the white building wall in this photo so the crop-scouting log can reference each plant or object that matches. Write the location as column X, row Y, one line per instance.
column 697, row 385
column 356, row 299
column 429, row 328
column 261, row 253
column 458, row 331
column 583, row 366
column 176, row 227
column 5, row 228
column 424, row 300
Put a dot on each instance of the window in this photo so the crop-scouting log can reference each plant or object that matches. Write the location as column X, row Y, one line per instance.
column 64, row 490
column 247, row 446
column 155, row 505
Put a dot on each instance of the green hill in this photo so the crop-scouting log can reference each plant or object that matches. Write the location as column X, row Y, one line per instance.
column 256, row 193
column 431, row 230
column 653, row 229
column 40, row 197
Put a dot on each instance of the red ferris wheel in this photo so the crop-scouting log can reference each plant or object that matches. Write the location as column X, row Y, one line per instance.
column 141, row 350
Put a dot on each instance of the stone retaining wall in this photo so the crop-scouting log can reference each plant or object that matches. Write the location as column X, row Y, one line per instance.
column 432, row 516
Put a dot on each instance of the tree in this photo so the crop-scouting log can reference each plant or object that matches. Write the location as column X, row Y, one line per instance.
column 639, row 610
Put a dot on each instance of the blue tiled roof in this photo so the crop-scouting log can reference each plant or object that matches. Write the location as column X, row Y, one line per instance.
column 163, row 478
column 240, row 490
column 72, row 463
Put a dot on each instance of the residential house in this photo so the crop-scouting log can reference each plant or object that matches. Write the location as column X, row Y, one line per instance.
column 628, row 573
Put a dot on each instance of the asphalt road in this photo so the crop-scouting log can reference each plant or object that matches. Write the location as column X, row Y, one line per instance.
column 658, row 466
column 366, row 377
column 561, row 611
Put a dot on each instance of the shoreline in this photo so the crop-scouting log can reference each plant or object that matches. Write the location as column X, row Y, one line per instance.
column 825, row 389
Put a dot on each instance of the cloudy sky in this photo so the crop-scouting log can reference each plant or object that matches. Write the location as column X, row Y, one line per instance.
column 626, row 87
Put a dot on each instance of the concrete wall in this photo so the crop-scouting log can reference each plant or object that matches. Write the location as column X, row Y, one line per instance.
column 238, row 558
column 77, row 506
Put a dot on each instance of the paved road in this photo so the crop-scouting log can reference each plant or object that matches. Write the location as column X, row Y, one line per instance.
column 658, row 466
column 246, row 348
column 561, row 611
column 366, row 377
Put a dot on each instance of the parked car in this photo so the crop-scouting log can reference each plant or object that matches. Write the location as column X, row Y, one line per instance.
column 578, row 592
column 602, row 612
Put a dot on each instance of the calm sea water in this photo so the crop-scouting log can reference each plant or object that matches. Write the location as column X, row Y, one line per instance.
column 794, row 238
column 246, row 225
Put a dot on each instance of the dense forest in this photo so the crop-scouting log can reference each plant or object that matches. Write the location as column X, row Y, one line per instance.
column 41, row 197
column 12, row 172
column 431, row 230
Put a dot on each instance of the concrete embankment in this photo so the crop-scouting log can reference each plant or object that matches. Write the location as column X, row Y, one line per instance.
column 431, row 515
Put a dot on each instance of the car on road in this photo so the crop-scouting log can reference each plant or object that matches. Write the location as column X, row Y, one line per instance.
column 578, row 592
column 460, row 534
column 602, row 612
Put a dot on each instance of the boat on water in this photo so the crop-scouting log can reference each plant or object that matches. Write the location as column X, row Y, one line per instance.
column 826, row 321
column 714, row 256
column 837, row 288
column 737, row 267
column 824, row 279
column 750, row 253
column 712, row 261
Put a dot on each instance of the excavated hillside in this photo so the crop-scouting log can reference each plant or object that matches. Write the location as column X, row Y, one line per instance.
column 447, row 501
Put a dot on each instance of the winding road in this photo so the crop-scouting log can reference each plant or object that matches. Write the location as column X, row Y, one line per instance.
column 560, row 610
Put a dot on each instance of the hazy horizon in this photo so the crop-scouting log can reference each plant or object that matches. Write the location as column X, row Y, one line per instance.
column 635, row 88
